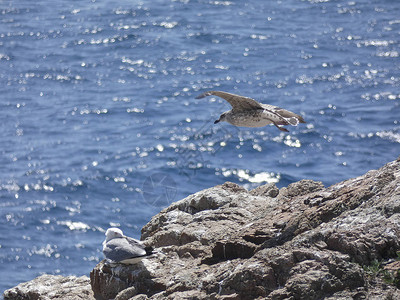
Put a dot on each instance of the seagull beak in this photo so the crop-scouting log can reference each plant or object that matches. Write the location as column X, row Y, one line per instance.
column 216, row 121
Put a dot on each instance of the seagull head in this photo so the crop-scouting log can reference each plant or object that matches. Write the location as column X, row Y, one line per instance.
column 113, row 233
column 222, row 118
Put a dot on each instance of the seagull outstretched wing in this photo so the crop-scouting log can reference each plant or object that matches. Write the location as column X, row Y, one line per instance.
column 238, row 103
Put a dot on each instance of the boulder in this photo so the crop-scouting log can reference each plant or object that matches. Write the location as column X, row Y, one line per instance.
column 47, row 287
column 304, row 241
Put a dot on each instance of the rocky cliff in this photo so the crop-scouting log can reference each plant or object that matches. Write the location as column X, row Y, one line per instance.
column 303, row 241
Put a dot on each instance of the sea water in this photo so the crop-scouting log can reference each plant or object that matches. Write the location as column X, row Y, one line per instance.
column 100, row 126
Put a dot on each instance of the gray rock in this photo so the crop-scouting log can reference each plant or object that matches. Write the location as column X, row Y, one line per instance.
column 302, row 242
column 48, row 287
column 267, row 190
column 302, row 187
column 127, row 294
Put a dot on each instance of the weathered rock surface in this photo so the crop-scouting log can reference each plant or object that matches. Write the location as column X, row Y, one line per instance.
column 47, row 287
column 303, row 241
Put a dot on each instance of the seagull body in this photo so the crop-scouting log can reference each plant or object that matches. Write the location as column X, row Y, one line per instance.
column 247, row 112
column 118, row 248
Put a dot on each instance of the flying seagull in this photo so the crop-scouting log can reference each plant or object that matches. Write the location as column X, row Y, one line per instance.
column 248, row 112
column 118, row 248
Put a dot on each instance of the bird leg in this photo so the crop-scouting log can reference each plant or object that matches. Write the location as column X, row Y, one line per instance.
column 281, row 128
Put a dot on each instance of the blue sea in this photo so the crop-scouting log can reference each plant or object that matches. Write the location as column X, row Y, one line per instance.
column 100, row 126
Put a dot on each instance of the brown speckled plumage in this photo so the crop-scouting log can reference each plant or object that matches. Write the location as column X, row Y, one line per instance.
column 248, row 112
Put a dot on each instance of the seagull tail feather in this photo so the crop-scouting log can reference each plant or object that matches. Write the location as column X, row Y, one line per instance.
column 150, row 250
column 301, row 120
column 293, row 121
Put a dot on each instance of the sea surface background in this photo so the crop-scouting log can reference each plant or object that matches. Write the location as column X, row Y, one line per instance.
column 100, row 126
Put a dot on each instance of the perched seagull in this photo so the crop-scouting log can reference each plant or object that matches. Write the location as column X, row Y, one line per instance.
column 248, row 112
column 118, row 248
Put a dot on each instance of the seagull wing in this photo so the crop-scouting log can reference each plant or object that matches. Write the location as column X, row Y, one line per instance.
column 136, row 243
column 238, row 103
column 288, row 114
column 119, row 249
column 290, row 117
